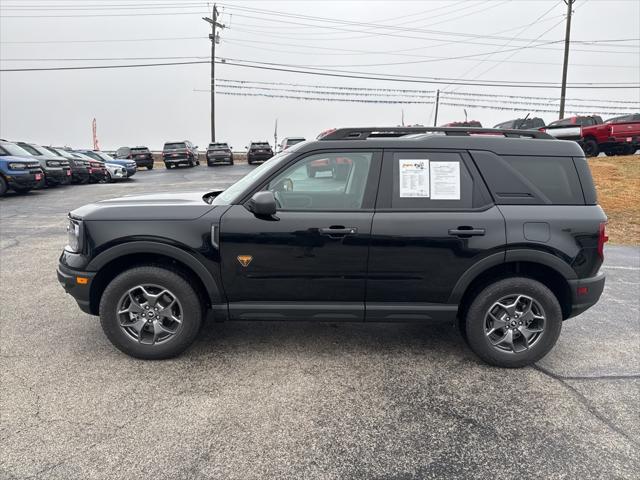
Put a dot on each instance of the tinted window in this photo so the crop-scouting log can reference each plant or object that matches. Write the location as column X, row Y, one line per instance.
column 430, row 180
column 555, row 177
column 508, row 124
column 174, row 146
column 218, row 145
column 562, row 123
column 140, row 150
column 326, row 181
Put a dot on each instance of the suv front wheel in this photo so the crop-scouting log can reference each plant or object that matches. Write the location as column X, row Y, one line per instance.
column 150, row 312
column 513, row 323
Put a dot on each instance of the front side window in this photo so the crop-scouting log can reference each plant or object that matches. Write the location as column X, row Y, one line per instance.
column 325, row 181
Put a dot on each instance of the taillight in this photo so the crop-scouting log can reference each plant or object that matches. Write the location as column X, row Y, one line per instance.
column 602, row 239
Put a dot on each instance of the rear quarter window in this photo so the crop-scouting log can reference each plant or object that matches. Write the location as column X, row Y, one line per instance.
column 555, row 177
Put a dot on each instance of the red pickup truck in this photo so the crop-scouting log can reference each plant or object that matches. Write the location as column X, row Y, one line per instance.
column 617, row 136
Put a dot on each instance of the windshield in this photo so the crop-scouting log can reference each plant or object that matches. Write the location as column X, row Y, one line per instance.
column 174, row 146
column 15, row 150
column 293, row 141
column 33, row 150
column 231, row 194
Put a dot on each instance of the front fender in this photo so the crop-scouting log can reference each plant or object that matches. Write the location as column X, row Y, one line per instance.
column 170, row 251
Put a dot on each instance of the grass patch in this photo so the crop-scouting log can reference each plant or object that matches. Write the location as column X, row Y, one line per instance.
column 617, row 181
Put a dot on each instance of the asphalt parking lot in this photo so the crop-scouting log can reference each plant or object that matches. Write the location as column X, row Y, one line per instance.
column 298, row 400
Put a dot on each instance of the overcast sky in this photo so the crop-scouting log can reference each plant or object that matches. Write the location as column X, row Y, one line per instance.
column 148, row 106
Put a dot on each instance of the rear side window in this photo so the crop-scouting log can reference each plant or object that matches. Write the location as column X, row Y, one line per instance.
column 424, row 180
column 555, row 177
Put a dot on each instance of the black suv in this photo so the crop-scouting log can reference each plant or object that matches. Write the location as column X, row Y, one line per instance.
column 142, row 156
column 219, row 153
column 499, row 229
column 175, row 154
column 259, row 152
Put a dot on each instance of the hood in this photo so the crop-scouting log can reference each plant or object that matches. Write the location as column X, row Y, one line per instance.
column 160, row 206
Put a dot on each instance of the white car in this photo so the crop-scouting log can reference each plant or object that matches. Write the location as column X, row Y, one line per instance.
column 115, row 172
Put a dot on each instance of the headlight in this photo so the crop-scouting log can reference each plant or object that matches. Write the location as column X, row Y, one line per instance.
column 74, row 235
column 18, row 166
column 53, row 163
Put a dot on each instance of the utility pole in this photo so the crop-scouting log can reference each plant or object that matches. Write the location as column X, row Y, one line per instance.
column 215, row 38
column 435, row 118
column 565, row 66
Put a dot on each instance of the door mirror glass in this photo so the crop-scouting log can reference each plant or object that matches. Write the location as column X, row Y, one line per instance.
column 263, row 204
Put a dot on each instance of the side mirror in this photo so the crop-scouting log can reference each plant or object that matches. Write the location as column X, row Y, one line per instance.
column 263, row 204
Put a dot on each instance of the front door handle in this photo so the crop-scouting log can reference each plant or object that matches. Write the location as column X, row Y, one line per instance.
column 464, row 232
column 338, row 231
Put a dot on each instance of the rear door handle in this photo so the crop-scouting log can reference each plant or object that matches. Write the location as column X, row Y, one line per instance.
column 338, row 231
column 466, row 232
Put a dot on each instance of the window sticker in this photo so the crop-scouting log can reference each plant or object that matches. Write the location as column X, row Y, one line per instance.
column 414, row 178
column 445, row 180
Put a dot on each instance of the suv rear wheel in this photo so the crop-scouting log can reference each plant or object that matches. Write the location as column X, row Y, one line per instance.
column 150, row 312
column 513, row 323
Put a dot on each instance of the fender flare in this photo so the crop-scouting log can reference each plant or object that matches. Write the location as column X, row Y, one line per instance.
column 170, row 251
column 510, row 256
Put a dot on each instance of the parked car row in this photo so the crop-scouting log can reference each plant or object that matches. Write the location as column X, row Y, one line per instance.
column 26, row 166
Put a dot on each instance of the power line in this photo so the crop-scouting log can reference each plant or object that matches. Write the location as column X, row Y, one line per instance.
column 404, row 90
column 335, row 73
column 402, row 102
column 400, row 95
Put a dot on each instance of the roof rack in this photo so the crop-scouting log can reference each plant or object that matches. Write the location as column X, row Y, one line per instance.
column 386, row 132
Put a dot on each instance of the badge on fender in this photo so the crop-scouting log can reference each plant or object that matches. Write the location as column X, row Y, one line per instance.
column 245, row 260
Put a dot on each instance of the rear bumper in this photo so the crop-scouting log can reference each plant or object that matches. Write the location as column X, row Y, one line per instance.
column 585, row 293
column 259, row 157
column 144, row 162
column 219, row 159
column 81, row 293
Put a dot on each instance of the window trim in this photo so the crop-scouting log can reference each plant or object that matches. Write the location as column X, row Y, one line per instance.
column 371, row 188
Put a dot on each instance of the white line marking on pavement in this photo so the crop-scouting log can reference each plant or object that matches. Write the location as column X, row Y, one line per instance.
column 615, row 267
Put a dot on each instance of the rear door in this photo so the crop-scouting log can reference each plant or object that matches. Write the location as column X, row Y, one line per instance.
column 434, row 221
column 309, row 261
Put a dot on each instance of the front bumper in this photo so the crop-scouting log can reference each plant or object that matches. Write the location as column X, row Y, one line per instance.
column 55, row 176
column 81, row 292
column 24, row 180
column 79, row 175
column 131, row 171
column 585, row 293
column 97, row 174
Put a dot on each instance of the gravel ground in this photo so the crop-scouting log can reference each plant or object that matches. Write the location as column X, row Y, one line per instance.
column 298, row 400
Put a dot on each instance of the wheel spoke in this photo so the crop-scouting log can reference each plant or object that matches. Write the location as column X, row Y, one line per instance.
column 136, row 324
column 509, row 308
column 496, row 324
column 152, row 298
column 506, row 339
column 133, row 307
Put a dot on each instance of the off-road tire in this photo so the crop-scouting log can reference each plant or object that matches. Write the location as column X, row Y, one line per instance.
column 191, row 312
column 474, row 322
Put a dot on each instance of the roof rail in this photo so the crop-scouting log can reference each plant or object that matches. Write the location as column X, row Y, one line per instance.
column 385, row 132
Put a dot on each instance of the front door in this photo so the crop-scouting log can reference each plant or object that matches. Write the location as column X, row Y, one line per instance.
column 310, row 260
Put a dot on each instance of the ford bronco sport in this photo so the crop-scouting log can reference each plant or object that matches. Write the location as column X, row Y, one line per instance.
column 498, row 230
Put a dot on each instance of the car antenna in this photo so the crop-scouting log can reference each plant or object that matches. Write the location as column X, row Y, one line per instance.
column 523, row 120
